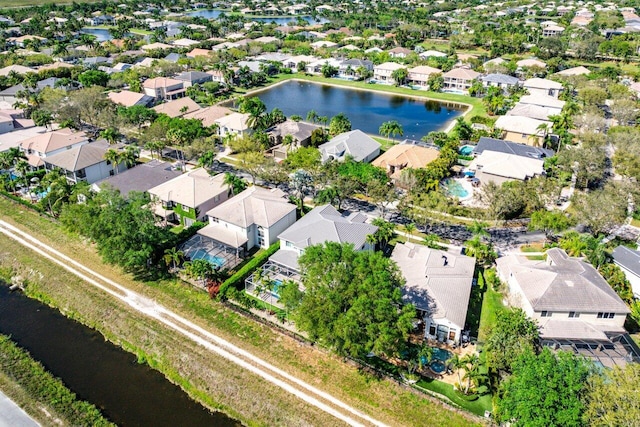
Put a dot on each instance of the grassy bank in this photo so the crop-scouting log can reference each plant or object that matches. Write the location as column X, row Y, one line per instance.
column 24, row 3
column 213, row 382
column 39, row 393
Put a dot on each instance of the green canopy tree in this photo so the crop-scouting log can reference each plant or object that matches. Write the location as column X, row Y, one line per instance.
column 391, row 129
column 545, row 390
column 512, row 334
column 353, row 301
column 612, row 397
column 339, row 124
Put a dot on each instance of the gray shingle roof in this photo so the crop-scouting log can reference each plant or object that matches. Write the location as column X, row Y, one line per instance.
column 565, row 284
column 438, row 282
column 80, row 156
column 500, row 78
column 326, row 224
column 502, row 146
column 140, row 178
column 627, row 258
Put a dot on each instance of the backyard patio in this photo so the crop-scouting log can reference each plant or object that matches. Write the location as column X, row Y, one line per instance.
column 201, row 247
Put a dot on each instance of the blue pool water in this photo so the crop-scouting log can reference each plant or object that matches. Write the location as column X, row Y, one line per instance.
column 276, row 285
column 437, row 366
column 202, row 254
column 466, row 150
column 453, row 188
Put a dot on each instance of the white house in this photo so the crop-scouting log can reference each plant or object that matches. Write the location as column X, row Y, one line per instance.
column 543, row 87
column 459, row 79
column 84, row 162
column 233, row 124
column 164, row 88
column 383, row 72
column 255, row 217
column 419, row 76
column 629, row 262
column 497, row 167
column 356, row 144
column 439, row 284
column 574, row 306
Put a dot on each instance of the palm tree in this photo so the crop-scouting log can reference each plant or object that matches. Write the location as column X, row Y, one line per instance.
column 236, row 185
column 312, row 116
column 207, row 159
column 478, row 228
column 110, row 134
column 288, row 142
column 411, row 227
column 391, row 128
column 129, row 156
column 113, row 157
column 173, row 256
column 457, row 363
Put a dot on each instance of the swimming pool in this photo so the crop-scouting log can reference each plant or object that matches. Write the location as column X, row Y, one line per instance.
column 453, row 188
column 466, row 150
column 202, row 254
column 276, row 285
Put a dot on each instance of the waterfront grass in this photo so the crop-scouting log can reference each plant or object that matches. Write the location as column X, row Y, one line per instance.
column 491, row 305
column 214, row 382
column 38, row 392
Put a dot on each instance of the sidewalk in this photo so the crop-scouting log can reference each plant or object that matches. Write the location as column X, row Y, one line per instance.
column 11, row 415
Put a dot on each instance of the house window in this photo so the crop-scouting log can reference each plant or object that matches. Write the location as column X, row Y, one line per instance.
column 452, row 334
column 602, row 315
column 432, row 329
column 288, row 244
column 574, row 314
column 545, row 314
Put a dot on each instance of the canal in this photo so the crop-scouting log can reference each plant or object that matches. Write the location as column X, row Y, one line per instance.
column 366, row 110
column 127, row 393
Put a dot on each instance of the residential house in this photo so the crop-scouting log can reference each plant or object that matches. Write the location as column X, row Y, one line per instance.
column 184, row 43
column 538, row 86
column 293, row 61
column 199, row 52
column 14, row 138
column 156, row 46
column 355, row 144
column 320, row 44
column 188, row 197
column 100, row 20
column 432, row 54
column 405, row 156
column 531, row 63
column 190, row 78
column 83, row 162
column 253, row 218
column 508, row 147
column 315, row 67
column 503, row 81
column 499, row 167
column 128, row 98
column 233, row 124
column 349, row 67
column 177, row 107
column 40, row 146
column 140, row 178
column 438, row 284
column 545, row 101
column 419, row 76
column 459, row 79
column 164, row 88
column 629, row 262
column 322, row 224
column 523, row 130
column 383, row 72
column 552, row 30
column 576, row 309
column 217, row 76
column 575, row 71
column 18, row 69
column 400, row 52
column 209, row 115
column 300, row 133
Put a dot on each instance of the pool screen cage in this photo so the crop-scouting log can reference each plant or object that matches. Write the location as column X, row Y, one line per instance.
column 618, row 351
column 213, row 249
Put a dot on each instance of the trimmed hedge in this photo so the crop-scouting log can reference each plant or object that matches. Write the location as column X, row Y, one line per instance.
column 238, row 278
column 44, row 387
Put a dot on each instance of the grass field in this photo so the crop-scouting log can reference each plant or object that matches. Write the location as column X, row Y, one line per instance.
column 24, row 3
column 211, row 381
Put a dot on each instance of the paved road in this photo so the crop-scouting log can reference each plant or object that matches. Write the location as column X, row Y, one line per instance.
column 11, row 415
column 217, row 345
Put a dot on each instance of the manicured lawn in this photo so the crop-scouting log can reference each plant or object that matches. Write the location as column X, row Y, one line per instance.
column 478, row 406
column 491, row 304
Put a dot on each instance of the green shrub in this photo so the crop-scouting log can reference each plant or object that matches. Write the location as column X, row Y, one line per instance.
column 237, row 279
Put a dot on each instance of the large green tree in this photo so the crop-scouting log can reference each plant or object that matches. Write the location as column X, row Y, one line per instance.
column 352, row 301
column 512, row 334
column 545, row 390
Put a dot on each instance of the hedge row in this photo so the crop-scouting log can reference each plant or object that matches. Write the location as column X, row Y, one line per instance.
column 238, row 278
column 44, row 387
column 23, row 202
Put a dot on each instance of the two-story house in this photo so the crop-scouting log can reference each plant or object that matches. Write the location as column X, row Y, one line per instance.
column 40, row 146
column 459, row 79
column 574, row 306
column 255, row 217
column 383, row 73
column 188, row 197
column 164, row 88
column 438, row 284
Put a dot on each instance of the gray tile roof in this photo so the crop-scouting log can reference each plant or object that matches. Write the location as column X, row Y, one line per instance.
column 438, row 282
column 255, row 205
column 355, row 143
column 326, row 224
column 561, row 284
column 80, row 156
column 627, row 258
column 140, row 178
column 502, row 146
column 500, row 78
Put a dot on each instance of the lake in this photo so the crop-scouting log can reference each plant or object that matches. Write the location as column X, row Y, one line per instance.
column 214, row 14
column 367, row 110
column 101, row 34
column 127, row 393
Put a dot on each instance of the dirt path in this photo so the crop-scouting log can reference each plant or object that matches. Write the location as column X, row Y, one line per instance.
column 214, row 343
